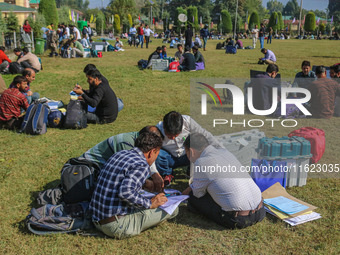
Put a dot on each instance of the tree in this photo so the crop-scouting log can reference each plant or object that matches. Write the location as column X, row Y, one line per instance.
column 48, row 8
column 130, row 20
column 100, row 21
column 64, row 15
column 322, row 27
column 12, row 22
column 333, row 6
column 274, row 21
column 274, row 6
column 36, row 24
column 254, row 20
column 3, row 27
column 291, row 8
column 227, row 25
column 123, row 8
column 116, row 23
column 310, row 22
column 193, row 16
column 281, row 24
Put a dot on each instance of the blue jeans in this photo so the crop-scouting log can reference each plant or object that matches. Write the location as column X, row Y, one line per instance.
column 120, row 104
column 269, row 39
column 165, row 162
column 141, row 40
column 32, row 98
column 262, row 42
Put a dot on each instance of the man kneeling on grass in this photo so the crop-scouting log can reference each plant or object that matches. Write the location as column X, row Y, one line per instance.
column 231, row 199
column 118, row 209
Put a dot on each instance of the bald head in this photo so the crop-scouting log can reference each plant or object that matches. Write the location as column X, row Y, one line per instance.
column 29, row 74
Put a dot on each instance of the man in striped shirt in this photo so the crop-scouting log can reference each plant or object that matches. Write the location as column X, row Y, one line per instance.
column 117, row 206
column 11, row 102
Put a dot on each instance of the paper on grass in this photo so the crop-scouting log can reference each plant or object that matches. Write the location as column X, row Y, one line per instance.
column 285, row 205
column 299, row 219
column 282, row 215
column 277, row 190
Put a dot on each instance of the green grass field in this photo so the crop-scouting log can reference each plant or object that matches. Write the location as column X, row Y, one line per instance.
column 31, row 164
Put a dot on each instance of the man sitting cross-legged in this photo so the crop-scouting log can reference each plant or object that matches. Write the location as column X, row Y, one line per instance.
column 176, row 128
column 231, row 199
column 11, row 102
column 118, row 209
column 100, row 96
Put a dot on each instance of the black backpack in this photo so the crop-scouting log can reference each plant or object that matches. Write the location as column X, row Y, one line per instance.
column 75, row 115
column 218, row 46
column 35, row 121
column 15, row 68
column 78, row 180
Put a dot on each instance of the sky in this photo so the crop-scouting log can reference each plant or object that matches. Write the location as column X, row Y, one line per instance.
column 307, row 4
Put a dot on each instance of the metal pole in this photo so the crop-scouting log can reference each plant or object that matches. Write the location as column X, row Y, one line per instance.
column 236, row 19
column 300, row 19
column 32, row 40
column 221, row 24
column 15, row 39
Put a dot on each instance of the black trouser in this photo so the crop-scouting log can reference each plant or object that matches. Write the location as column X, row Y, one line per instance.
column 147, row 40
column 25, row 64
column 12, row 124
column 208, row 207
column 133, row 40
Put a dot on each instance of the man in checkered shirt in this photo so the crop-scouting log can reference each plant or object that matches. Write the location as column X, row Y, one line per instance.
column 118, row 209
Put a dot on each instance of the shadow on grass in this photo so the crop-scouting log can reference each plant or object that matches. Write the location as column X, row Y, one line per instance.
column 34, row 194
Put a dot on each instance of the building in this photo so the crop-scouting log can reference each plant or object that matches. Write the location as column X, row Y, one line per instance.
column 21, row 8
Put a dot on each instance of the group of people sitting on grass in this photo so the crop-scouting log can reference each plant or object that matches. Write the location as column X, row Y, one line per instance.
column 324, row 91
column 187, row 61
column 25, row 59
column 134, row 161
column 15, row 100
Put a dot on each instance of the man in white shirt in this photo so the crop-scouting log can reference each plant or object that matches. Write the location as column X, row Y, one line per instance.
column 230, row 198
column 147, row 34
column 255, row 33
column 67, row 30
column 76, row 33
column 176, row 128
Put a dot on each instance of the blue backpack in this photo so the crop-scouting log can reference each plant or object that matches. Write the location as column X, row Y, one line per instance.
column 55, row 219
column 231, row 49
column 35, row 121
column 55, row 118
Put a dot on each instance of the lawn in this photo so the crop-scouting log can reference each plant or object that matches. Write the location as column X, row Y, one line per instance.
column 30, row 164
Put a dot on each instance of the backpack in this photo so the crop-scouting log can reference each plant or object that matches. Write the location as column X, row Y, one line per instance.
column 75, row 115
column 55, row 219
column 142, row 63
column 317, row 140
column 231, row 49
column 78, row 180
column 292, row 112
column 173, row 66
column 35, row 121
column 15, row 68
column 55, row 118
column 218, row 46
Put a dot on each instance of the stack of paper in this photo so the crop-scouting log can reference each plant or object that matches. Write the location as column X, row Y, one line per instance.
column 286, row 207
column 174, row 199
